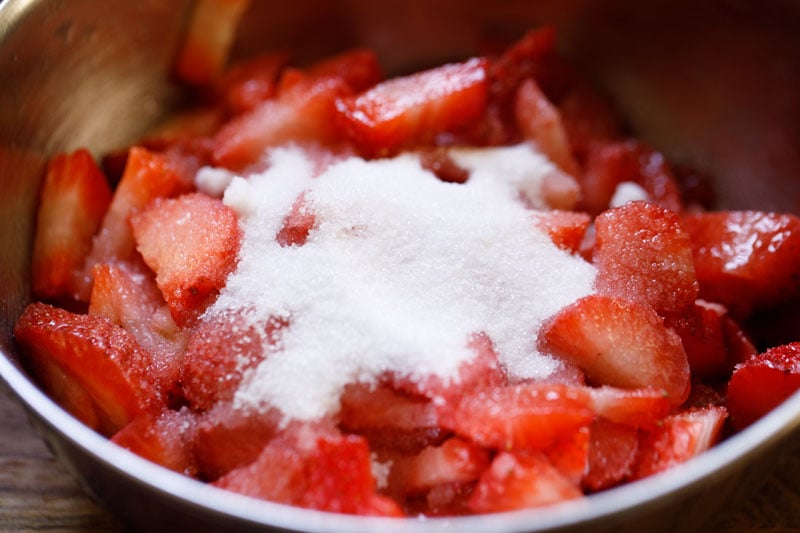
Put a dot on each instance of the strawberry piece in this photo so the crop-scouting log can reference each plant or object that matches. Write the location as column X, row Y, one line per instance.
column 454, row 461
column 738, row 346
column 164, row 438
column 220, row 350
column 389, row 420
column 127, row 295
column 539, row 120
column 643, row 254
column 359, row 68
column 746, row 260
column 520, row 481
column 438, row 161
column 313, row 469
column 303, row 111
column 482, row 371
column 248, row 83
column 682, row 436
column 191, row 243
column 228, row 438
column 700, row 330
column 208, row 39
column 566, row 228
column 612, row 453
column 639, row 408
column 91, row 357
column 297, row 224
column 619, row 343
column 412, row 110
column 570, row 454
column 75, row 196
column 531, row 416
column 762, row 383
column 588, row 118
column 609, row 164
column 147, row 176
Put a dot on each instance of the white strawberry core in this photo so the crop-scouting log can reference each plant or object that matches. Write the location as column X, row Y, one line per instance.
column 398, row 273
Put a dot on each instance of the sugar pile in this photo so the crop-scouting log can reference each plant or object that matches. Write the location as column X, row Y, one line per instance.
column 397, row 274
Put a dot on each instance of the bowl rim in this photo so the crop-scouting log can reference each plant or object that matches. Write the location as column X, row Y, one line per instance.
column 726, row 457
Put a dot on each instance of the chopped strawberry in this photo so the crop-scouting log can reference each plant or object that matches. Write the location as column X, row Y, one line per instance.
column 746, row 260
column 588, row 118
column 619, row 343
column 359, row 68
column 539, row 120
column 526, row 58
column 228, row 438
column 682, row 436
column 313, row 469
column 208, row 39
column 147, row 176
column 612, row 453
column 75, row 196
column 91, row 357
column 439, row 162
column 412, row 110
column 390, row 420
column 609, row 164
column 302, row 111
column 762, row 383
column 191, row 243
column 639, row 408
column 297, row 224
column 570, row 454
column 700, row 330
column 454, row 461
column 531, row 416
column 643, row 254
column 520, row 481
column 164, row 438
column 560, row 191
column 566, row 228
column 483, row 370
column 127, row 295
column 248, row 83
column 220, row 350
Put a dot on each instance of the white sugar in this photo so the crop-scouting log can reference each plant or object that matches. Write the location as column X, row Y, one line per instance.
column 627, row 192
column 399, row 271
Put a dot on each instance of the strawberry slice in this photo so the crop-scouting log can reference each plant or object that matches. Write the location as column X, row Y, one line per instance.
column 566, row 228
column 520, row 481
column 539, row 120
column 219, row 352
column 297, row 223
column 454, row 461
column 619, row 343
column 643, row 254
column 75, row 196
column 88, row 356
column 612, row 453
column 127, row 295
column 682, row 436
column 700, row 329
column 570, row 454
column 762, row 383
column 228, row 438
column 248, row 83
column 643, row 408
column 412, row 110
column 359, row 68
column 208, row 39
column 529, row 416
column 163, row 438
column 746, row 260
column 191, row 243
column 609, row 164
column 303, row 111
column 482, row 371
column 312, row 468
column 147, row 176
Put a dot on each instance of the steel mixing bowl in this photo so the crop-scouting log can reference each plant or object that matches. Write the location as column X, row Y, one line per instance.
column 713, row 84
